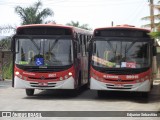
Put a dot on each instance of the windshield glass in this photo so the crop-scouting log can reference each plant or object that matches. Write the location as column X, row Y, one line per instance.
column 44, row 52
column 120, row 54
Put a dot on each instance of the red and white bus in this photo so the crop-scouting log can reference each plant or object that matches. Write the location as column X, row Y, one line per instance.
column 50, row 56
column 121, row 59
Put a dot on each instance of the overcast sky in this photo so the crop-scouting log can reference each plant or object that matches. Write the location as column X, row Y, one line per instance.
column 95, row 13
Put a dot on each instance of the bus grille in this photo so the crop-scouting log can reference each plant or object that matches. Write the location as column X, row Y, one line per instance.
column 119, row 80
column 43, row 78
column 37, row 85
column 111, row 86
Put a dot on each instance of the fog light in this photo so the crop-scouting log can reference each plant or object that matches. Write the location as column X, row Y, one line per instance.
column 137, row 81
column 142, row 80
column 104, row 76
column 25, row 78
column 66, row 76
column 100, row 79
column 146, row 77
column 20, row 76
column 61, row 78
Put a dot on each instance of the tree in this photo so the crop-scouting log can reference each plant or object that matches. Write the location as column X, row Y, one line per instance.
column 33, row 14
column 77, row 24
column 157, row 24
column 155, row 34
column 5, row 43
column 156, row 17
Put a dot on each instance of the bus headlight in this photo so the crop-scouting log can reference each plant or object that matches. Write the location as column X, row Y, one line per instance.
column 104, row 76
column 70, row 74
column 17, row 73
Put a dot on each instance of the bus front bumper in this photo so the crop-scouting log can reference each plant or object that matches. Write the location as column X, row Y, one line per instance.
column 64, row 84
column 137, row 87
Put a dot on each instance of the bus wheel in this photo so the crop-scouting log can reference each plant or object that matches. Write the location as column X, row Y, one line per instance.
column 100, row 93
column 29, row 92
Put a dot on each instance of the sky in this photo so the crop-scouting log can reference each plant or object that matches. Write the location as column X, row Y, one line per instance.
column 95, row 13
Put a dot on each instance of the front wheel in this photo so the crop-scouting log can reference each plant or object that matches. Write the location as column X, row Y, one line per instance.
column 29, row 92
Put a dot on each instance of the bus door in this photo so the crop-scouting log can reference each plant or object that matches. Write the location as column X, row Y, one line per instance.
column 84, row 61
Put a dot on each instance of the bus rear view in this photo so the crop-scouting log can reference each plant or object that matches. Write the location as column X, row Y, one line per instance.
column 121, row 60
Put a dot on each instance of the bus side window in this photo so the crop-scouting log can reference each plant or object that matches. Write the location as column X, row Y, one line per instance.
column 85, row 41
column 87, row 44
column 76, row 37
column 83, row 45
column 79, row 44
column 76, row 42
column 80, row 41
column 17, row 46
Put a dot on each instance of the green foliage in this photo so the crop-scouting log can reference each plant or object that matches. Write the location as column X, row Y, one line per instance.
column 155, row 34
column 77, row 24
column 33, row 14
column 5, row 43
column 7, row 71
column 156, row 17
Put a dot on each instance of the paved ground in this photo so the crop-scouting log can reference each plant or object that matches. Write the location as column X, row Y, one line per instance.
column 86, row 100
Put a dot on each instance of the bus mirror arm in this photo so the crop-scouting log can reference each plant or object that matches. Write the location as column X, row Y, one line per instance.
column 154, row 51
column 13, row 49
column 12, row 45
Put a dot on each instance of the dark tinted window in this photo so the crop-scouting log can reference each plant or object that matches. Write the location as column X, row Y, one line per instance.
column 44, row 31
column 121, row 33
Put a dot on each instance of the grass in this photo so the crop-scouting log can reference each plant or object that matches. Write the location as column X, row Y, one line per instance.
column 7, row 71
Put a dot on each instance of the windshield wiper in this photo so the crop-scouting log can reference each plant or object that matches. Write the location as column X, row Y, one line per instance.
column 35, row 44
column 130, row 47
column 55, row 42
column 126, row 49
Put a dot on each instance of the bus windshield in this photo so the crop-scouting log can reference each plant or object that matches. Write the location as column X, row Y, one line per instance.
column 120, row 53
column 44, row 52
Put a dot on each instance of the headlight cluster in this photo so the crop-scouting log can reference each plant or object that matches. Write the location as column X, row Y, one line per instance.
column 142, row 79
column 60, row 78
column 66, row 76
column 104, row 76
column 18, row 74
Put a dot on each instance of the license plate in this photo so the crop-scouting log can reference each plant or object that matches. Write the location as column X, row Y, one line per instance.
column 43, row 84
column 119, row 85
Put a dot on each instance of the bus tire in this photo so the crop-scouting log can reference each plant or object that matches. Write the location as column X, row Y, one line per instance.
column 29, row 92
